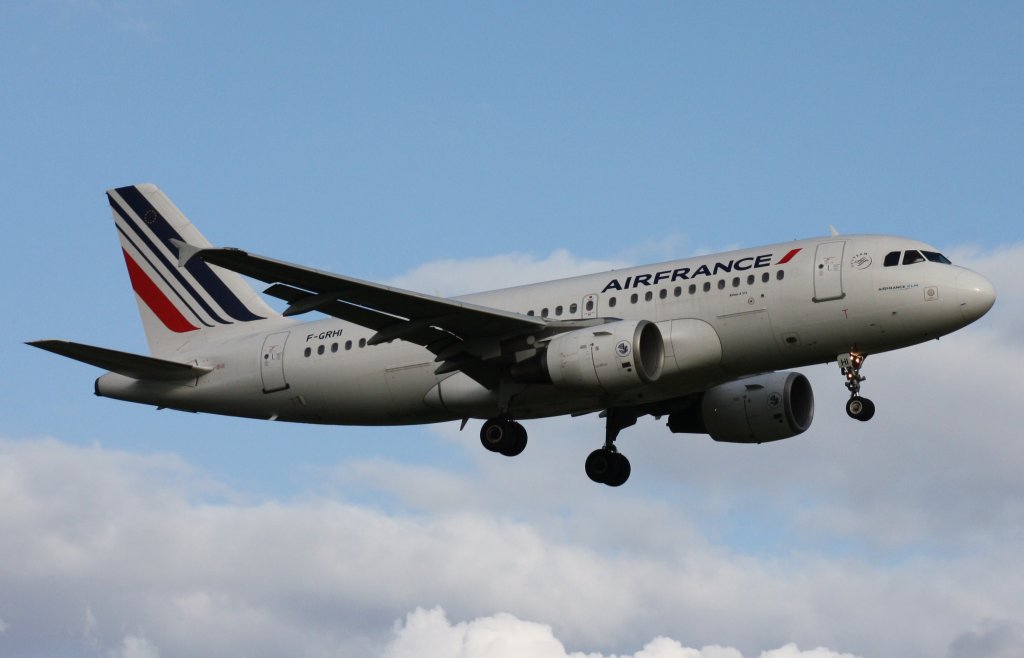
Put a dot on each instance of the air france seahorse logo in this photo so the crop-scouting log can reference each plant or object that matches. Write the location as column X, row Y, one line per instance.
column 623, row 348
column 861, row 261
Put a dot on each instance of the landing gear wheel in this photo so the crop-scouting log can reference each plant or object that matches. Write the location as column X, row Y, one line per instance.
column 519, row 444
column 493, row 433
column 859, row 408
column 620, row 470
column 503, row 435
column 607, row 467
column 599, row 465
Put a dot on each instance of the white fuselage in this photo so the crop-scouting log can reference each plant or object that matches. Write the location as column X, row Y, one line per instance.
column 722, row 316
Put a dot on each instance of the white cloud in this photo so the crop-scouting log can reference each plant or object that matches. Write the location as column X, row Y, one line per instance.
column 792, row 651
column 429, row 634
column 136, row 646
column 455, row 277
column 1003, row 639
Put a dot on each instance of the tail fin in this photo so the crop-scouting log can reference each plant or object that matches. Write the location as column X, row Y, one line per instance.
column 178, row 304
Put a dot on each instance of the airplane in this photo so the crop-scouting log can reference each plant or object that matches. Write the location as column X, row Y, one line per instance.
column 705, row 342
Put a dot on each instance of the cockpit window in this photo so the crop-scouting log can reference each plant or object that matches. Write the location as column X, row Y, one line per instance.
column 936, row 257
column 892, row 259
column 911, row 256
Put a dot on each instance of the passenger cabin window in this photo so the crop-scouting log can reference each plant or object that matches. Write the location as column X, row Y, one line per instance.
column 892, row 259
column 764, row 278
column 911, row 256
column 611, row 301
column 663, row 293
column 558, row 310
column 648, row 296
column 590, row 304
column 633, row 298
column 573, row 307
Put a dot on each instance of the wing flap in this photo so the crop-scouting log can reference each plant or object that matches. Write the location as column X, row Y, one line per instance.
column 135, row 366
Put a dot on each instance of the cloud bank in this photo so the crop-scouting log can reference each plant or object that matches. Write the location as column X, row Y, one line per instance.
column 429, row 634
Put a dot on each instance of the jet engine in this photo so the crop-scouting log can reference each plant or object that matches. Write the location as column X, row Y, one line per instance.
column 609, row 358
column 755, row 409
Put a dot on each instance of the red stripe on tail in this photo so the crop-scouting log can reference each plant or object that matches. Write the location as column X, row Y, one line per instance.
column 785, row 259
column 155, row 299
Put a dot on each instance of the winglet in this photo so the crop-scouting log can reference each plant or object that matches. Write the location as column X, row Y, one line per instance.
column 186, row 251
column 832, row 231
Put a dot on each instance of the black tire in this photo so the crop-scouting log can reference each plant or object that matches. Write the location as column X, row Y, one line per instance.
column 620, row 470
column 518, row 444
column 859, row 408
column 599, row 465
column 494, row 434
column 869, row 410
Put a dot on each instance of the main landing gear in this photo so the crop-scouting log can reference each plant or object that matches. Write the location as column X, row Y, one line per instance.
column 503, row 435
column 857, row 407
column 607, row 465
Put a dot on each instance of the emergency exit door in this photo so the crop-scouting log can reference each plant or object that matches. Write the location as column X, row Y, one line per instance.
column 272, row 362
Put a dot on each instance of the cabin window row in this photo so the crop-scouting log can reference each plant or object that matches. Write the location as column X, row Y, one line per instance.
column 664, row 292
column 560, row 310
column 322, row 349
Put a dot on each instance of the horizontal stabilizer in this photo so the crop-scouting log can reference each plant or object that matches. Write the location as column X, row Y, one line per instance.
column 135, row 366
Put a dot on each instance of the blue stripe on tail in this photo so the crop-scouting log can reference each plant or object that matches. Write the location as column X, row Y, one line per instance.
column 165, row 265
column 202, row 273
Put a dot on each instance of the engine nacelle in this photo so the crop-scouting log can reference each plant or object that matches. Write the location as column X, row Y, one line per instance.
column 755, row 409
column 611, row 357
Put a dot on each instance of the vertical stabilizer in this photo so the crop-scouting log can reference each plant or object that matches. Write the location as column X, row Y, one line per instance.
column 178, row 305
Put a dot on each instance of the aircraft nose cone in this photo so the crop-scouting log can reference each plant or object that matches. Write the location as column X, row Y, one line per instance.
column 975, row 294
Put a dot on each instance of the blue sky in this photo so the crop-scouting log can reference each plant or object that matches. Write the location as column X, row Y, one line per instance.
column 443, row 146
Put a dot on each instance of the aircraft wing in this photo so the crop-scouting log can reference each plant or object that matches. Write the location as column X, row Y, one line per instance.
column 135, row 366
column 461, row 334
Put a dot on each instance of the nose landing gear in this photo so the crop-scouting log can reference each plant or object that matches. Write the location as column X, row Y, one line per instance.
column 858, row 408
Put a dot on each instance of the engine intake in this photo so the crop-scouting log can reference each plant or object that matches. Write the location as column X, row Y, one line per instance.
column 755, row 409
